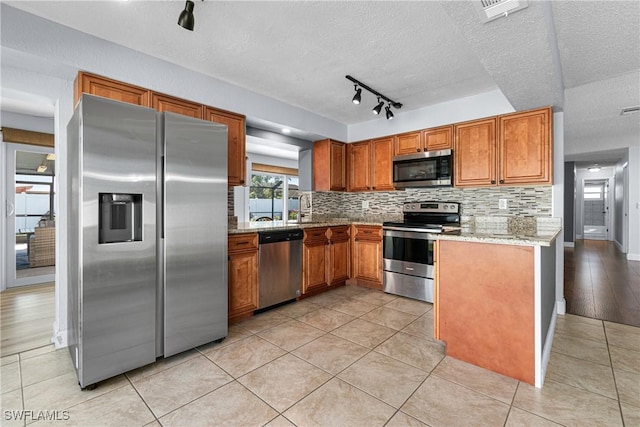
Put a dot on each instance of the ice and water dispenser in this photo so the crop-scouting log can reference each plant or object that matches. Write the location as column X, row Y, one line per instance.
column 120, row 218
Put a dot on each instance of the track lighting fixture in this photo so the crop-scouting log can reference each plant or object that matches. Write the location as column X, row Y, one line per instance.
column 389, row 112
column 186, row 19
column 376, row 110
column 357, row 96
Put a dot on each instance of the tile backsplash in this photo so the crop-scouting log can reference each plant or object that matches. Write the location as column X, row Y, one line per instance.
column 521, row 201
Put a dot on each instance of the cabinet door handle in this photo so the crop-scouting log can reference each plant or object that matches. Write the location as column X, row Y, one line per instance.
column 373, row 188
column 242, row 181
column 502, row 181
column 355, row 240
column 418, row 150
column 493, row 181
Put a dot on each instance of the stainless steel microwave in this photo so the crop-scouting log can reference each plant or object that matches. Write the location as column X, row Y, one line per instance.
column 426, row 169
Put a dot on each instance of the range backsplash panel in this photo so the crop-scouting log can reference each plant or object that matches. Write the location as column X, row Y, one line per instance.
column 521, row 201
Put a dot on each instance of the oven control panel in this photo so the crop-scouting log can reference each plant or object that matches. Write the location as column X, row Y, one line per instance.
column 432, row 207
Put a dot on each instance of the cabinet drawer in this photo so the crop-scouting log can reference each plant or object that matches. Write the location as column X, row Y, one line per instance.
column 368, row 233
column 339, row 234
column 243, row 242
column 315, row 234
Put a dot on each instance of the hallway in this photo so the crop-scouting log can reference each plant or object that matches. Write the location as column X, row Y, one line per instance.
column 599, row 282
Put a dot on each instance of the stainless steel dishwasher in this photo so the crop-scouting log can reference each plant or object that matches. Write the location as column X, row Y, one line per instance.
column 279, row 266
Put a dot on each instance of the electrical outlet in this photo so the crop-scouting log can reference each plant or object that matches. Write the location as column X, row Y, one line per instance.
column 365, row 204
column 502, row 204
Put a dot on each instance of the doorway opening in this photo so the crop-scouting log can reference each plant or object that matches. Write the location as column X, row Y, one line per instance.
column 596, row 210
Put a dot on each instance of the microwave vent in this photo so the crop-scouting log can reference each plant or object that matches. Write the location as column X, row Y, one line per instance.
column 488, row 10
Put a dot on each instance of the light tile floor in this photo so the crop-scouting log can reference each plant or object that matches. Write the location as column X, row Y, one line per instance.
column 349, row 357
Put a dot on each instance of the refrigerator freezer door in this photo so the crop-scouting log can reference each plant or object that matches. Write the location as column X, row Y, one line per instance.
column 195, row 233
column 113, row 285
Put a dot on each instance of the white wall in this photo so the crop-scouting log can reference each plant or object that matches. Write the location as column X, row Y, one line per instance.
column 621, row 208
column 557, row 205
column 27, row 122
column 485, row 104
column 634, row 203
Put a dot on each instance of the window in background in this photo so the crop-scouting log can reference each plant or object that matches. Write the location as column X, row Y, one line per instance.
column 273, row 197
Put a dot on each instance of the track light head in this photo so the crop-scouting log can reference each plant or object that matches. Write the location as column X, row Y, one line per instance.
column 186, row 19
column 376, row 110
column 358, row 96
column 389, row 112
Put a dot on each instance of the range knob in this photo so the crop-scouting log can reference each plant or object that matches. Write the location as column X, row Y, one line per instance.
column 453, row 207
column 446, row 207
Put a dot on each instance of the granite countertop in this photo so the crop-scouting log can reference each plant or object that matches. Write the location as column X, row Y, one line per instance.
column 254, row 227
column 542, row 233
column 536, row 238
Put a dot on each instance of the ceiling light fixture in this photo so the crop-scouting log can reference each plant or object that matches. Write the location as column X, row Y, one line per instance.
column 186, row 19
column 376, row 110
column 629, row 110
column 389, row 112
column 286, row 130
column 594, row 168
column 357, row 97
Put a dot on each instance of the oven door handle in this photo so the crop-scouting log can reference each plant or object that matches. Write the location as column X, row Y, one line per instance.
column 407, row 233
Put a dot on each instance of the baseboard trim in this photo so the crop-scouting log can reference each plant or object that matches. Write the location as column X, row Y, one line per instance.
column 633, row 257
column 59, row 338
column 561, row 306
column 569, row 244
column 546, row 351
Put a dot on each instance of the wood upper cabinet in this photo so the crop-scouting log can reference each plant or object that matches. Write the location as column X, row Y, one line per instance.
column 359, row 166
column 512, row 149
column 329, row 165
column 367, row 255
column 382, row 164
column 370, row 165
column 112, row 89
column 475, row 153
column 243, row 274
column 407, row 143
column 166, row 103
column 339, row 255
column 236, row 142
column 524, row 148
column 440, row 138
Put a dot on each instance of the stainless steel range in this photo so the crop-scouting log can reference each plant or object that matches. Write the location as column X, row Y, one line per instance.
column 408, row 247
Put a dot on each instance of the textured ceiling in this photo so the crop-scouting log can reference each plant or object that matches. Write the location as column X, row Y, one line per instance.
column 419, row 53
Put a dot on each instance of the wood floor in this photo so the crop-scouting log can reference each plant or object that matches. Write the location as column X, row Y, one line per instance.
column 599, row 282
column 28, row 313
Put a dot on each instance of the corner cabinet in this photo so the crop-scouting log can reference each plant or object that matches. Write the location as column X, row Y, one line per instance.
column 329, row 165
column 236, row 142
column 367, row 256
column 370, row 165
column 512, row 149
column 243, row 275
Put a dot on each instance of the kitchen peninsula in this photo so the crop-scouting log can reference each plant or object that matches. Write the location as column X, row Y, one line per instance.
column 495, row 290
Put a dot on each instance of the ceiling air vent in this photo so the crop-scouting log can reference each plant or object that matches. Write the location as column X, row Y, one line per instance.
column 493, row 9
column 629, row 110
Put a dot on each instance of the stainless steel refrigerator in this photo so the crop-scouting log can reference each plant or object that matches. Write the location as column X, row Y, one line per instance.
column 147, row 239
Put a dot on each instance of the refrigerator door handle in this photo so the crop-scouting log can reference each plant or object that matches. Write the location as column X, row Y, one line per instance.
column 11, row 209
column 161, row 201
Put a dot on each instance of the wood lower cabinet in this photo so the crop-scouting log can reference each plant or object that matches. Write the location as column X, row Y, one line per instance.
column 165, row 103
column 367, row 255
column 243, row 275
column 339, row 255
column 112, row 89
column 329, row 166
column 236, row 143
column 315, row 273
